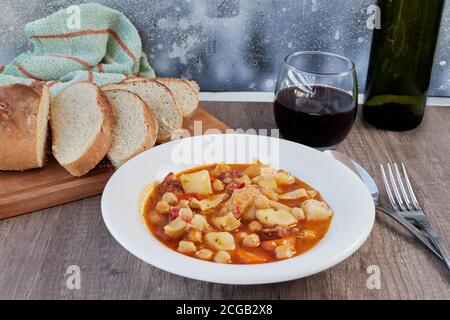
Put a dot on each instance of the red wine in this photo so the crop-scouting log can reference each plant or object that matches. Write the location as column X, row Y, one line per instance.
column 319, row 118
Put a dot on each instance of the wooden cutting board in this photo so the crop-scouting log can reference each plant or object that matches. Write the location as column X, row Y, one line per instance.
column 24, row 192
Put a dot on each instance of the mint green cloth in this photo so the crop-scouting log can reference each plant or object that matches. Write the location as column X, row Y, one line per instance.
column 105, row 48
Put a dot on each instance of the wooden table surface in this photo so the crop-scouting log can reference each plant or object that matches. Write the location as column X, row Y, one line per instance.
column 36, row 249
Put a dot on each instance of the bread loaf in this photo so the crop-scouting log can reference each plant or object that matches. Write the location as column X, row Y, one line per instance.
column 24, row 114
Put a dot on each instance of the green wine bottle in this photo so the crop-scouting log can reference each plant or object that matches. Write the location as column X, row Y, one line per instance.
column 401, row 62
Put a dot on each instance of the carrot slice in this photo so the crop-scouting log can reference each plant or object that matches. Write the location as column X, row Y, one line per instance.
column 250, row 257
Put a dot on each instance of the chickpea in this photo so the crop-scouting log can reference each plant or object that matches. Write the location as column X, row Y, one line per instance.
column 186, row 214
column 195, row 236
column 195, row 204
column 199, row 222
column 204, row 254
column 222, row 257
column 186, row 247
column 184, row 204
column 308, row 235
column 255, row 226
column 218, row 185
column 284, row 252
column 262, row 202
column 298, row 214
column 155, row 217
column 251, row 241
column 170, row 198
column 162, row 207
column 250, row 214
column 241, row 236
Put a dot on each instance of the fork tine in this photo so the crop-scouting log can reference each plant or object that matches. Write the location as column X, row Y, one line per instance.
column 388, row 188
column 410, row 189
column 402, row 188
column 395, row 188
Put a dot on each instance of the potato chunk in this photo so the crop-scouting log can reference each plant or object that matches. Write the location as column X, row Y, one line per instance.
column 186, row 247
column 285, row 252
column 279, row 206
column 312, row 194
column 316, row 210
column 298, row 213
column 222, row 257
column 176, row 228
column 207, row 204
column 253, row 170
column 218, row 186
column 284, row 178
column 272, row 218
column 219, row 169
column 197, row 182
column 220, row 241
column 204, row 254
column 226, row 223
column 269, row 186
column 294, row 195
column 145, row 196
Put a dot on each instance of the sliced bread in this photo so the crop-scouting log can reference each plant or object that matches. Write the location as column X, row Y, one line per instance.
column 194, row 85
column 136, row 127
column 161, row 102
column 23, row 126
column 82, row 122
column 186, row 95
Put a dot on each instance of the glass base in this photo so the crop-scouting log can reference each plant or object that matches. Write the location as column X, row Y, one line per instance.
column 322, row 149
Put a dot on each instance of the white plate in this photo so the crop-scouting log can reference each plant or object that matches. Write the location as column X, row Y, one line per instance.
column 351, row 202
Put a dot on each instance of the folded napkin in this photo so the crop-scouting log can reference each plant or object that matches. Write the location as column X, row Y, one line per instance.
column 104, row 47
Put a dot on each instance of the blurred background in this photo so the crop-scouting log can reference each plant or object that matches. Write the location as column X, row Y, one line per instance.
column 232, row 45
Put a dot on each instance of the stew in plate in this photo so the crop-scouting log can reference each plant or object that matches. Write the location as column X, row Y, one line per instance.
column 236, row 213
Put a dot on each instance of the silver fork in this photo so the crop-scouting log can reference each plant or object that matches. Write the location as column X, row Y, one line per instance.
column 404, row 201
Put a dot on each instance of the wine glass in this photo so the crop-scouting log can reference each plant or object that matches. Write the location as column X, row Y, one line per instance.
column 316, row 99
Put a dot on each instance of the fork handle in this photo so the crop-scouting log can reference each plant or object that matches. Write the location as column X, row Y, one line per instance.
column 408, row 226
column 437, row 242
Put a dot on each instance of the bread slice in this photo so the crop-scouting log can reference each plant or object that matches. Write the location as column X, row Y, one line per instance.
column 82, row 122
column 186, row 95
column 160, row 100
column 194, row 85
column 23, row 126
column 136, row 127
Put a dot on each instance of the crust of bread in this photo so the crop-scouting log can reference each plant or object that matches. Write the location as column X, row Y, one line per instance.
column 99, row 146
column 194, row 85
column 151, row 122
column 179, row 125
column 191, row 84
column 20, row 109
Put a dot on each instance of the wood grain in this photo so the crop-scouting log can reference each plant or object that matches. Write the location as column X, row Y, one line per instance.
column 37, row 249
column 24, row 192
